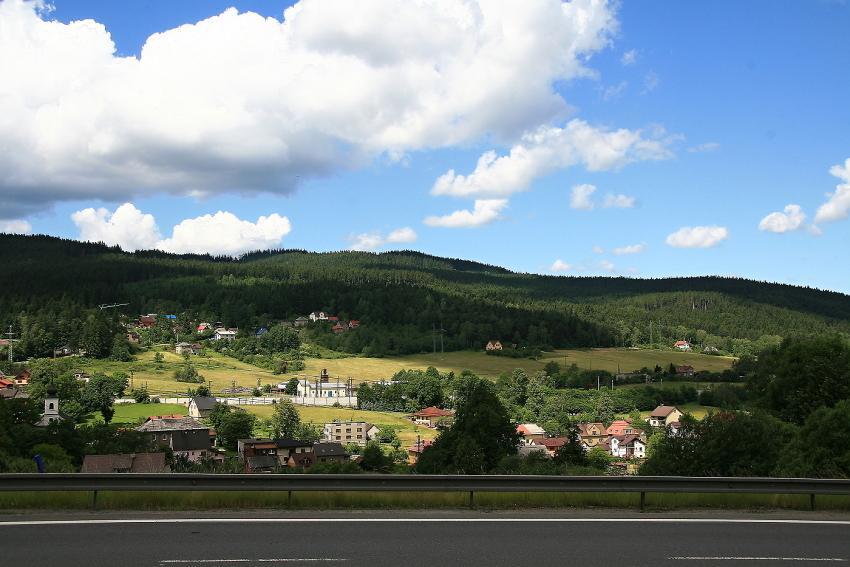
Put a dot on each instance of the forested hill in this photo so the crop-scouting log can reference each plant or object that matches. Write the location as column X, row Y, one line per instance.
column 51, row 284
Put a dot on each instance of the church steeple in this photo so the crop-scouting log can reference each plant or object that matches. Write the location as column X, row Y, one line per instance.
column 51, row 408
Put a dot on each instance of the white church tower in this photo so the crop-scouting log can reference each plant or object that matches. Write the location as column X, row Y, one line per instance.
column 51, row 408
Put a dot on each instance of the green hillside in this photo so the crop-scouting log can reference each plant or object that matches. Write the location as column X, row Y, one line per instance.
column 400, row 298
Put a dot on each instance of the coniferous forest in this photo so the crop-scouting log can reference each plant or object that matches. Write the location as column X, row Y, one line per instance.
column 53, row 288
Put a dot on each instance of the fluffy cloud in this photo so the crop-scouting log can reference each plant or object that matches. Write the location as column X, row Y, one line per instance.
column 837, row 206
column 127, row 227
column 703, row 148
column 581, row 197
column 598, row 250
column 239, row 102
column 698, row 237
column 222, row 233
column 560, row 266
column 612, row 92
column 619, row 201
column 631, row 249
column 607, row 265
column 484, row 212
column 792, row 218
column 374, row 240
column 548, row 149
column 15, row 227
column 629, row 57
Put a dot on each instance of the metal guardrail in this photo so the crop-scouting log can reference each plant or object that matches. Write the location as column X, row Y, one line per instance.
column 419, row 483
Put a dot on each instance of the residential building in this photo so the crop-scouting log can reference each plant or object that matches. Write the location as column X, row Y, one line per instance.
column 203, row 327
column 530, row 432
column 133, row 337
column 258, row 455
column 329, row 453
column 493, row 345
column 628, row 446
column 682, row 345
column 551, row 444
column 301, row 322
column 347, row 432
column 125, row 463
column 188, row 348
column 10, row 391
column 353, row 324
column 51, row 409
column 414, row 451
column 433, row 416
column 185, row 436
column 620, row 427
column 592, row 434
column 201, row 406
column 663, row 416
column 22, row 378
column 316, row 316
column 223, row 334
column 295, row 453
column 147, row 321
column 82, row 376
column 684, row 370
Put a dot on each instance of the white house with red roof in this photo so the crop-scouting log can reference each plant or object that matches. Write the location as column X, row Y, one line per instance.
column 628, row 446
column 432, row 416
column 682, row 345
column 530, row 432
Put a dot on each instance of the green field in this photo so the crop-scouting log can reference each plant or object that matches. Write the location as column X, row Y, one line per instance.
column 223, row 371
column 610, row 359
column 132, row 413
column 406, row 429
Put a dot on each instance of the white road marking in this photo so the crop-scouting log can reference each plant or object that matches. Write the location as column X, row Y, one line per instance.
column 757, row 558
column 106, row 521
column 272, row 560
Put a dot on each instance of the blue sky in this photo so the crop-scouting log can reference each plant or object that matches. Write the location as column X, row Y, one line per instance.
column 743, row 106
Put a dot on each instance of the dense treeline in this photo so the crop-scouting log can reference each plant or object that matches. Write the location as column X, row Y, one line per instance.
column 400, row 298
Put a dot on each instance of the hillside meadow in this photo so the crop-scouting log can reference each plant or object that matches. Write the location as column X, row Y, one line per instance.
column 223, row 371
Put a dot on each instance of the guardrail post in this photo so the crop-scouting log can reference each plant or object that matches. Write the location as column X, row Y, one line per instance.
column 642, row 500
column 94, row 500
column 812, row 502
column 471, row 499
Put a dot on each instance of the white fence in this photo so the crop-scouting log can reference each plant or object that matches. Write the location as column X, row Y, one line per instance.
column 349, row 402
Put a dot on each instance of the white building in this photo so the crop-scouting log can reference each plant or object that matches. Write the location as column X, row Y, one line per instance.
column 319, row 389
column 318, row 316
column 224, row 334
column 628, row 446
column 346, row 432
column 51, row 409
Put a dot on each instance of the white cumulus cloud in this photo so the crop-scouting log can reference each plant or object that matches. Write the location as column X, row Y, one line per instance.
column 698, row 237
column 581, row 197
column 373, row 240
column 630, row 249
column 220, row 234
column 241, row 102
column 792, row 218
column 837, row 206
column 484, row 212
column 629, row 57
column 560, row 266
column 548, row 149
column 15, row 226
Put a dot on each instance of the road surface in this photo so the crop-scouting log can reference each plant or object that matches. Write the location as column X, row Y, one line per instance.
column 433, row 539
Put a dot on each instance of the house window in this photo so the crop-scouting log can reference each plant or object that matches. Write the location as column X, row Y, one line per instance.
column 50, row 406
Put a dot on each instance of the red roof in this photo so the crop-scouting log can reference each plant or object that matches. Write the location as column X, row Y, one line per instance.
column 551, row 442
column 4, row 383
column 434, row 411
column 419, row 447
column 681, row 343
column 172, row 416
column 332, row 318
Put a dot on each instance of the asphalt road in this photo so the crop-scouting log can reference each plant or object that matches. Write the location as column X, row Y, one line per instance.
column 433, row 539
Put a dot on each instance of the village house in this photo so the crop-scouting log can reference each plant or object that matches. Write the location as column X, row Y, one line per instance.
column 663, row 416
column 433, row 416
column 530, row 432
column 203, row 327
column 493, row 345
column 223, row 334
column 133, row 337
column 22, row 378
column 682, row 345
column 329, row 453
column 126, row 463
column 147, row 321
column 188, row 348
column 592, row 434
column 10, row 391
column 301, row 322
column 295, row 453
column 628, row 446
column 185, row 436
column 317, row 316
column 358, row 432
column 258, row 455
column 415, row 450
column 353, row 324
column 201, row 406
column 552, row 444
column 684, row 370
column 620, row 427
